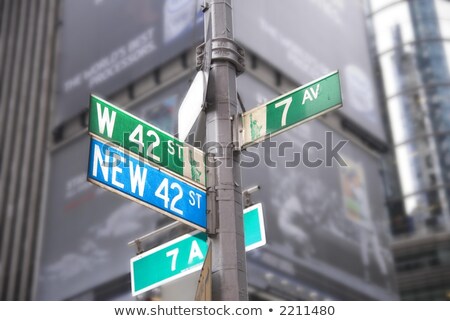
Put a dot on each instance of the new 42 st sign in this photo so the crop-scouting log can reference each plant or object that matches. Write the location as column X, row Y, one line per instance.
column 123, row 173
column 113, row 124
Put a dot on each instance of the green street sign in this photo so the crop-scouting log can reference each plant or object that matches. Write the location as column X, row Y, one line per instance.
column 298, row 106
column 186, row 254
column 133, row 134
column 170, row 261
column 254, row 231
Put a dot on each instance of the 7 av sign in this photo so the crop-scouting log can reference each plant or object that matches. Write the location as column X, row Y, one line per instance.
column 291, row 109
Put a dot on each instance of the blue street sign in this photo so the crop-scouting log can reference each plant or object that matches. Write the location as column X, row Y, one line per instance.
column 133, row 178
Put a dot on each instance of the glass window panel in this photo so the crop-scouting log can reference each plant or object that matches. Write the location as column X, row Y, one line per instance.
column 426, row 213
column 408, row 115
column 380, row 4
column 447, row 51
column 443, row 9
column 393, row 26
column 419, row 166
column 415, row 65
column 391, row 81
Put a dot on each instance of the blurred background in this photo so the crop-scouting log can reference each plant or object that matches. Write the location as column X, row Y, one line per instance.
column 378, row 229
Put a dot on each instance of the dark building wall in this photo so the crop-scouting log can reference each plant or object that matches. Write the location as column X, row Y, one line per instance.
column 27, row 49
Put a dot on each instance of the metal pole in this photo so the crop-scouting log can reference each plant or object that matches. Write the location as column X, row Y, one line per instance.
column 229, row 279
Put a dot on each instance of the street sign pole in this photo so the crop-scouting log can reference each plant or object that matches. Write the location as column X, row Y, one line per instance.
column 229, row 280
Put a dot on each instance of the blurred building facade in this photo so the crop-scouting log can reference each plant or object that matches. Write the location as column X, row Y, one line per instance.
column 326, row 227
column 412, row 52
column 27, row 70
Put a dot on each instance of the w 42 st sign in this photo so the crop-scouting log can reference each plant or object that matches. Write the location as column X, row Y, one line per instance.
column 294, row 108
column 121, row 128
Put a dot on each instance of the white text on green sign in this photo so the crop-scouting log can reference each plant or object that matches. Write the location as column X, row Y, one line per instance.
column 291, row 109
column 133, row 134
column 186, row 254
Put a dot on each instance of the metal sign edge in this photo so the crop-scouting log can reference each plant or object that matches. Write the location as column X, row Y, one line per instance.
column 185, row 108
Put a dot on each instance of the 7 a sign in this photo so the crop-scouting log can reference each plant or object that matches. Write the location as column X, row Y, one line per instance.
column 186, row 254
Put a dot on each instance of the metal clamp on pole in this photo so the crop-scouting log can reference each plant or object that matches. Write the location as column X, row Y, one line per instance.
column 229, row 50
column 222, row 49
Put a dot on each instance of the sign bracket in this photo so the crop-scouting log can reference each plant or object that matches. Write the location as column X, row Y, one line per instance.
column 247, row 195
column 138, row 241
column 212, row 223
column 236, row 130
